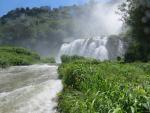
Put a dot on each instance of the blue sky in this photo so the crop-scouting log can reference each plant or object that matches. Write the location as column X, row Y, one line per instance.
column 7, row 5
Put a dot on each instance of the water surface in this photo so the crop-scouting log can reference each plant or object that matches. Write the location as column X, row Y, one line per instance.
column 29, row 89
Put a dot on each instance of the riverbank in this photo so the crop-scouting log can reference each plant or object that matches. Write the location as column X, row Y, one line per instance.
column 16, row 56
column 91, row 86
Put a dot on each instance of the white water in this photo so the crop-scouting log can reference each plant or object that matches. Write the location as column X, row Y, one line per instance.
column 102, row 48
column 29, row 89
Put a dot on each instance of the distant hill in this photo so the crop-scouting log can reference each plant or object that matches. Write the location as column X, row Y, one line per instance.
column 44, row 29
column 41, row 29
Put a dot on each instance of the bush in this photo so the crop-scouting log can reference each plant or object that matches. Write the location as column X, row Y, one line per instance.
column 66, row 59
column 49, row 60
column 133, row 15
column 17, row 56
column 102, row 87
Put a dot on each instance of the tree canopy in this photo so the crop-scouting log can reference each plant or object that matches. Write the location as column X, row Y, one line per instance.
column 42, row 29
column 136, row 14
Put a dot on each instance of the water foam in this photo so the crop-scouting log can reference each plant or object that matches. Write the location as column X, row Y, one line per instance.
column 102, row 48
column 32, row 96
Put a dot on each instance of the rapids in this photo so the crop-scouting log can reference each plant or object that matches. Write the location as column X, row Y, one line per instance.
column 29, row 89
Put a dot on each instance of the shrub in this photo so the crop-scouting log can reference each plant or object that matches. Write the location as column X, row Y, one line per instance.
column 92, row 86
column 49, row 60
column 66, row 59
column 17, row 56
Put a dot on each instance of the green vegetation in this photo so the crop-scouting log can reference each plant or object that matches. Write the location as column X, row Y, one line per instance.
column 42, row 29
column 67, row 59
column 91, row 86
column 136, row 15
column 17, row 56
column 48, row 60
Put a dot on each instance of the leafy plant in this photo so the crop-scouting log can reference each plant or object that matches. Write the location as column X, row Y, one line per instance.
column 17, row 56
column 92, row 86
column 48, row 60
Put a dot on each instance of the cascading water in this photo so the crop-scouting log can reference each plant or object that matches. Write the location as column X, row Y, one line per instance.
column 29, row 89
column 102, row 48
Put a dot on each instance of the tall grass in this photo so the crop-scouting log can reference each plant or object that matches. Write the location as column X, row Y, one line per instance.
column 91, row 86
column 50, row 60
column 17, row 56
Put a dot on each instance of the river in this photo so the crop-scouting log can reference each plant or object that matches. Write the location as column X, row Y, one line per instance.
column 29, row 89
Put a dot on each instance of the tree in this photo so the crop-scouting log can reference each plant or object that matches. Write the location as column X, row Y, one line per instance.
column 136, row 14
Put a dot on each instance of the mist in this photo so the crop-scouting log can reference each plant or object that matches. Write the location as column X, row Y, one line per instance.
column 96, row 26
column 45, row 29
column 98, row 19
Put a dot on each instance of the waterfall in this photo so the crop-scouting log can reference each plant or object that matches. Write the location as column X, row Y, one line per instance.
column 101, row 48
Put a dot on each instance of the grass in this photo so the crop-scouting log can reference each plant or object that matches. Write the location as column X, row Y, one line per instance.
column 48, row 60
column 91, row 86
column 17, row 56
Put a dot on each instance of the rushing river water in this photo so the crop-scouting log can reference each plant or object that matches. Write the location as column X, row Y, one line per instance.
column 29, row 89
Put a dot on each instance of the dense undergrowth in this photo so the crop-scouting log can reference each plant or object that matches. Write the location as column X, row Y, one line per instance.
column 91, row 86
column 17, row 56
column 10, row 56
column 48, row 60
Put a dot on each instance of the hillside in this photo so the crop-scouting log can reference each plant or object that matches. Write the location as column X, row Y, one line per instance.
column 17, row 56
column 35, row 28
column 42, row 29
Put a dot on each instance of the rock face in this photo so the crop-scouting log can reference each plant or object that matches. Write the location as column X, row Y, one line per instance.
column 102, row 48
column 115, row 47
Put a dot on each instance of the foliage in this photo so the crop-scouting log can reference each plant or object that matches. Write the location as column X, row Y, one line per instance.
column 136, row 15
column 33, row 28
column 17, row 56
column 104, row 87
column 41, row 29
column 48, row 60
column 66, row 58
